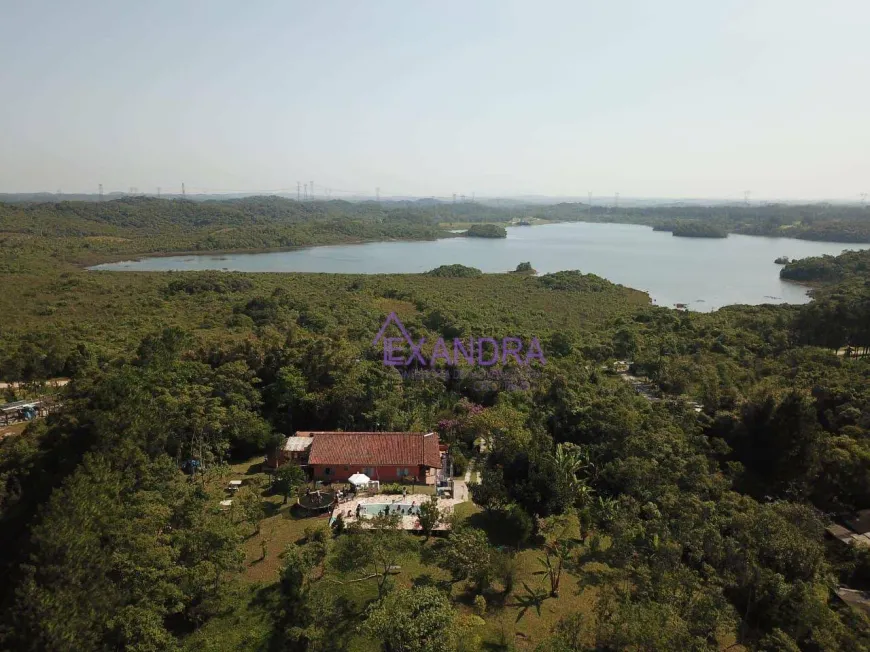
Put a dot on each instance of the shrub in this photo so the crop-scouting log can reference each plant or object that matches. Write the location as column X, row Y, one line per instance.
column 519, row 523
column 479, row 605
column 314, row 534
column 506, row 568
column 460, row 463
column 338, row 526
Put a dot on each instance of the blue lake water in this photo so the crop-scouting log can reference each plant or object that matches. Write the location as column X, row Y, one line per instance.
column 703, row 273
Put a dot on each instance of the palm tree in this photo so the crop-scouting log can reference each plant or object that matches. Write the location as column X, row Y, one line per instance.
column 606, row 508
column 574, row 467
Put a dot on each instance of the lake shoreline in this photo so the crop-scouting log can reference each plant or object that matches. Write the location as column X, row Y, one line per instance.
column 702, row 274
column 111, row 259
column 115, row 259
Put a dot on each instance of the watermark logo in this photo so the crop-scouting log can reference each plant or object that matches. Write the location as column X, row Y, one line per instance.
column 475, row 351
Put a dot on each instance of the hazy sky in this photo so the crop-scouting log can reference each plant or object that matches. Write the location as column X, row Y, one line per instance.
column 654, row 99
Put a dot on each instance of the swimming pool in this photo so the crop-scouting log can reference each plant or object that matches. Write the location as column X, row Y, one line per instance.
column 374, row 509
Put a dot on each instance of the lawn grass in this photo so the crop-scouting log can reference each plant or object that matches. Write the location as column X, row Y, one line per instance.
column 524, row 619
column 248, row 625
column 519, row 620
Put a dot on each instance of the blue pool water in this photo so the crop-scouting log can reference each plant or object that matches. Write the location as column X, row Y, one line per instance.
column 374, row 509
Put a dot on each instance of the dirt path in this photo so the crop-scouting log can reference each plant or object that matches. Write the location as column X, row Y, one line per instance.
column 52, row 382
column 460, row 487
column 855, row 353
column 13, row 429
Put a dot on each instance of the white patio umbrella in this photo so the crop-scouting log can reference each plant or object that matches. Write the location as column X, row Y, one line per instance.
column 359, row 479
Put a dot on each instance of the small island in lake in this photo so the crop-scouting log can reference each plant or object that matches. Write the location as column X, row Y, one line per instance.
column 782, row 260
column 698, row 230
column 486, row 231
column 524, row 268
column 694, row 229
column 455, row 271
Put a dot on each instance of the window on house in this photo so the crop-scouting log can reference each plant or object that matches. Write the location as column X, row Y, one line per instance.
column 327, row 471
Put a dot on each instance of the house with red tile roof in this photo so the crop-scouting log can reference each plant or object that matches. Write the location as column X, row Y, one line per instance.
column 383, row 456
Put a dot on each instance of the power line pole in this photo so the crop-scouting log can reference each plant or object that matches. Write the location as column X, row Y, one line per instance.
column 298, row 191
column 311, row 188
column 305, row 192
column 183, row 191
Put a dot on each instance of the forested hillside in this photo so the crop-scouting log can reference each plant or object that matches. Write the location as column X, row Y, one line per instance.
column 603, row 519
column 82, row 232
column 695, row 229
column 825, row 222
column 86, row 232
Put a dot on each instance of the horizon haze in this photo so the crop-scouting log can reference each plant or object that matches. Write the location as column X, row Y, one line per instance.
column 679, row 100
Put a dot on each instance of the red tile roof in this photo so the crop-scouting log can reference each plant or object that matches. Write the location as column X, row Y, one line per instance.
column 374, row 448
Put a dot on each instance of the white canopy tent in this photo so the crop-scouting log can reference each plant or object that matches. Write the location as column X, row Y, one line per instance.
column 359, row 480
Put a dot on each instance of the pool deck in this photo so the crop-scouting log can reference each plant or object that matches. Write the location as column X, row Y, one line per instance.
column 405, row 522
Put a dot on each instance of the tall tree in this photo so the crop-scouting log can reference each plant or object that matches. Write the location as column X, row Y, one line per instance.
column 414, row 620
column 370, row 552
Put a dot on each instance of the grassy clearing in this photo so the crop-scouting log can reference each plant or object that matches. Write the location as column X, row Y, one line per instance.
column 466, row 225
column 526, row 618
column 518, row 619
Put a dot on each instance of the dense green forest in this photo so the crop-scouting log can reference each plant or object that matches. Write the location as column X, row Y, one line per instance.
column 853, row 265
column 697, row 229
column 602, row 519
column 82, row 232
column 486, row 231
column 825, row 222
